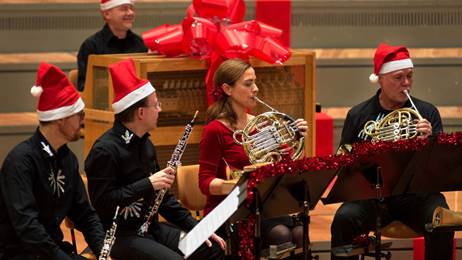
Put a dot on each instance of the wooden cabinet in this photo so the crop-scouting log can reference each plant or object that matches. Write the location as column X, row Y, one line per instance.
column 180, row 86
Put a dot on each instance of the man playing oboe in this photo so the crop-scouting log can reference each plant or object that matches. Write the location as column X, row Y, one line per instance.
column 122, row 170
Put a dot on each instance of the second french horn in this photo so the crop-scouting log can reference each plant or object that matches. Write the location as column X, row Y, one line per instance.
column 398, row 124
column 270, row 136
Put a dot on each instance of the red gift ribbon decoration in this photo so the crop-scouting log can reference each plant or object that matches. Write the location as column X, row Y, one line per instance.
column 214, row 30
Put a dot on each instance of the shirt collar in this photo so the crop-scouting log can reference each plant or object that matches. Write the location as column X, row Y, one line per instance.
column 126, row 135
column 45, row 147
column 108, row 35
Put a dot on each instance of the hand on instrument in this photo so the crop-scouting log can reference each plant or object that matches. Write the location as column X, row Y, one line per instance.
column 302, row 126
column 163, row 178
column 424, row 127
column 217, row 239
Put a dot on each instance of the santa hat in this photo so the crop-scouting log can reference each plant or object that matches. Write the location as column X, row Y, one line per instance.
column 108, row 4
column 128, row 88
column 57, row 97
column 390, row 58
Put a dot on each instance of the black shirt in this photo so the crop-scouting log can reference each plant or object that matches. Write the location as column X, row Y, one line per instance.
column 105, row 42
column 118, row 167
column 39, row 187
column 353, row 128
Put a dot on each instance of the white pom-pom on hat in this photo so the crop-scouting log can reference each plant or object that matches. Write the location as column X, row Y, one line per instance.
column 36, row 91
column 373, row 78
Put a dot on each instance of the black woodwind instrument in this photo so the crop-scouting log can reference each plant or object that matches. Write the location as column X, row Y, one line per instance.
column 174, row 162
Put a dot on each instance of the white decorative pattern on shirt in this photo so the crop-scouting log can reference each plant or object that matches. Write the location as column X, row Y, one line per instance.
column 127, row 136
column 46, row 148
column 57, row 182
column 132, row 210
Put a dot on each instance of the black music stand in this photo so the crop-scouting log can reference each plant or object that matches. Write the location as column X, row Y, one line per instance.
column 434, row 168
column 373, row 178
column 286, row 194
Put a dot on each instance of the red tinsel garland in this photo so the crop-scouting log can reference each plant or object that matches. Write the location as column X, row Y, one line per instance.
column 453, row 139
column 360, row 151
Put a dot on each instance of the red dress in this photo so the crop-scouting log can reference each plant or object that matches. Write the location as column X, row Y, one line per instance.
column 217, row 146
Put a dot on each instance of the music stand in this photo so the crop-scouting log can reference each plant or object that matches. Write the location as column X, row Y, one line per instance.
column 285, row 194
column 434, row 168
column 372, row 178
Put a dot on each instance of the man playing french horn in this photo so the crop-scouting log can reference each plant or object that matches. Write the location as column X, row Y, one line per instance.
column 123, row 171
column 393, row 70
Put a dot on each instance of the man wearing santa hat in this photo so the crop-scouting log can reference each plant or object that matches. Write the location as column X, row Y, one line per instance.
column 115, row 37
column 393, row 71
column 40, row 182
column 123, row 171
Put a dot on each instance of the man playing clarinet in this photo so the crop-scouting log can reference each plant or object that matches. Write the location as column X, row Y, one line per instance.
column 123, row 171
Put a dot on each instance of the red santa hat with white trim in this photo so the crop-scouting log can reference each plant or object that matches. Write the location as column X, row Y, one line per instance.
column 57, row 97
column 390, row 58
column 108, row 4
column 128, row 88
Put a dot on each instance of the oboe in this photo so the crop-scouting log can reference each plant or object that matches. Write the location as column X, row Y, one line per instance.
column 174, row 162
column 109, row 238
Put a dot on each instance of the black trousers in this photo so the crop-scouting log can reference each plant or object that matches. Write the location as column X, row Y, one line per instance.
column 20, row 253
column 162, row 245
column 414, row 210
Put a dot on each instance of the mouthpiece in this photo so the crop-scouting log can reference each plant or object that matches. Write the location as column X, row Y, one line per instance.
column 410, row 100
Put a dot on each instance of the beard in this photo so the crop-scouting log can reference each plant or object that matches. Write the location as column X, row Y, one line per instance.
column 71, row 135
column 75, row 137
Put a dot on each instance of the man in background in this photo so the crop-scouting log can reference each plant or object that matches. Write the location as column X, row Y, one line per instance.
column 115, row 37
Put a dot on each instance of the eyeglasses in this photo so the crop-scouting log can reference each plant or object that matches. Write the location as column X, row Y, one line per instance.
column 156, row 106
column 81, row 114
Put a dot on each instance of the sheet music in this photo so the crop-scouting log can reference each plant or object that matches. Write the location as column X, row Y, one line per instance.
column 210, row 223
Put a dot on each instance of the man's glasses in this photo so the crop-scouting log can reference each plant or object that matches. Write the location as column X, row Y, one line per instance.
column 156, row 106
column 81, row 114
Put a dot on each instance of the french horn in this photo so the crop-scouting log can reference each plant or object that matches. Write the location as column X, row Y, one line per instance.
column 398, row 124
column 270, row 136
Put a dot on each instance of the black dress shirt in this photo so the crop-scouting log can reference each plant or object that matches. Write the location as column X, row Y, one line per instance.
column 353, row 128
column 39, row 187
column 105, row 42
column 118, row 167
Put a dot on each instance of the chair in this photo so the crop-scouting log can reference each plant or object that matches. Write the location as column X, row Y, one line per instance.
column 189, row 193
column 86, row 253
column 72, row 76
column 363, row 248
column 396, row 229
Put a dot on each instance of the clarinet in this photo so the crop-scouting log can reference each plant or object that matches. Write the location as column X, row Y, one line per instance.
column 109, row 238
column 174, row 162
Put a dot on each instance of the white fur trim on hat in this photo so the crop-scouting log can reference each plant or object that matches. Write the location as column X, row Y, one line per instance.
column 61, row 112
column 36, row 91
column 396, row 65
column 133, row 97
column 373, row 78
column 113, row 3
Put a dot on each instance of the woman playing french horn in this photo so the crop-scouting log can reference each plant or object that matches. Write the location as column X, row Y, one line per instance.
column 235, row 92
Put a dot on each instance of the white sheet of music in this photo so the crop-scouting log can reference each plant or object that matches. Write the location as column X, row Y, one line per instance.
column 210, row 223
